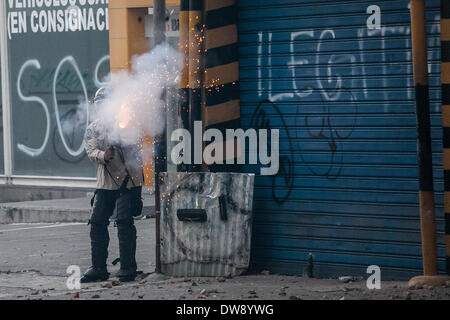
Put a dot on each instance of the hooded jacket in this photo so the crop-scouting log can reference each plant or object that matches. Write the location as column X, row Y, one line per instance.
column 111, row 174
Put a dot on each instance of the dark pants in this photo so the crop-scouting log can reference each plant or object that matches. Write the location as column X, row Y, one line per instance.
column 105, row 202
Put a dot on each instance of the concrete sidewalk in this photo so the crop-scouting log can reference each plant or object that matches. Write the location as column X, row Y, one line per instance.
column 58, row 210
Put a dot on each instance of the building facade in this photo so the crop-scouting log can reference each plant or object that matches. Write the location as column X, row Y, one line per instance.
column 335, row 78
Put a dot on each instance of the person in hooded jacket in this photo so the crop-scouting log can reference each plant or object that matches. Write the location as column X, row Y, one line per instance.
column 119, row 187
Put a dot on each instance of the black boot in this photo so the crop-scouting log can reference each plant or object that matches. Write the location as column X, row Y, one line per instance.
column 127, row 247
column 94, row 274
column 125, row 275
column 99, row 254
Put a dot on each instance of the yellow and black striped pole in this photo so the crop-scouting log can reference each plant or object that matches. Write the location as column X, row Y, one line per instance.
column 426, row 194
column 209, row 81
column 221, row 77
column 445, row 91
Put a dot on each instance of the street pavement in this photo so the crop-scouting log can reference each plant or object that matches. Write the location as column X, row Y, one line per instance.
column 50, row 248
column 34, row 259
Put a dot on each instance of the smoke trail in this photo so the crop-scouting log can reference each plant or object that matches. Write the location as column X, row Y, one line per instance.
column 135, row 103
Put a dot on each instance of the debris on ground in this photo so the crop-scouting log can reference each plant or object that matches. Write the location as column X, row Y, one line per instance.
column 253, row 294
column 408, row 295
column 417, row 286
column 346, row 279
column 116, row 283
column 243, row 287
column 208, row 292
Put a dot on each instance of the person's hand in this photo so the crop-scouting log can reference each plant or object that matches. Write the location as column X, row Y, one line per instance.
column 109, row 154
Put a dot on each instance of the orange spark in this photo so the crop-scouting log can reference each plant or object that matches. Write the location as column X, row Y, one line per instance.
column 123, row 117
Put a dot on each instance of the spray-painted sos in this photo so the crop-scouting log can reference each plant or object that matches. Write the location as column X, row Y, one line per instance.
column 34, row 63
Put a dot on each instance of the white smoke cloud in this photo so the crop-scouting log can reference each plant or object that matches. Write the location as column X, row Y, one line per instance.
column 135, row 103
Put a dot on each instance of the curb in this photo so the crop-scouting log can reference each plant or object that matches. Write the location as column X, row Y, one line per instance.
column 53, row 211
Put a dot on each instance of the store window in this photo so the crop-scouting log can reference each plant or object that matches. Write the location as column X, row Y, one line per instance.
column 58, row 57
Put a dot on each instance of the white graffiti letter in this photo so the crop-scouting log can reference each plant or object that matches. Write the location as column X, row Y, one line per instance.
column 374, row 21
column 99, row 83
column 278, row 96
column 299, row 62
column 260, row 38
column 71, row 61
column 334, row 93
column 32, row 151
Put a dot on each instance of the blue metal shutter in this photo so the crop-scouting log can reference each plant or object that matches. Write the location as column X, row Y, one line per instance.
column 342, row 96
